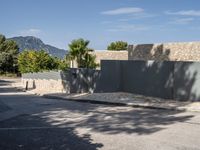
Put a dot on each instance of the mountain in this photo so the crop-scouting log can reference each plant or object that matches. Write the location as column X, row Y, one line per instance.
column 33, row 43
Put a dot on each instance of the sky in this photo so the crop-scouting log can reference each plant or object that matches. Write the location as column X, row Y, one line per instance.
column 58, row 22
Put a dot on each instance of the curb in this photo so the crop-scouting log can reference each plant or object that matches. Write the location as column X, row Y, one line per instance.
column 111, row 103
column 23, row 90
column 103, row 102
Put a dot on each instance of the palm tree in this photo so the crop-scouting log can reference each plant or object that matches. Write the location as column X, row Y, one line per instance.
column 78, row 48
column 79, row 51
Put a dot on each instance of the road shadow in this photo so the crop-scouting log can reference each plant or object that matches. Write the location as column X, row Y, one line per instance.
column 5, row 86
column 103, row 118
column 3, row 107
column 116, row 120
column 99, row 118
column 32, row 132
column 4, row 82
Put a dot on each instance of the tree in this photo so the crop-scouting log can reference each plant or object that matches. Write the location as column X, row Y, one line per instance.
column 118, row 45
column 8, row 55
column 80, row 52
column 89, row 61
column 62, row 64
column 38, row 61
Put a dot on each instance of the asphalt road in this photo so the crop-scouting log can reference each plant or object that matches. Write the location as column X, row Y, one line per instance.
column 29, row 122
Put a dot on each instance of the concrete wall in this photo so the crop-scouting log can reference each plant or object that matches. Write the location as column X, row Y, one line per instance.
column 187, row 81
column 89, row 80
column 182, row 51
column 165, row 79
column 80, row 80
column 148, row 78
column 109, row 80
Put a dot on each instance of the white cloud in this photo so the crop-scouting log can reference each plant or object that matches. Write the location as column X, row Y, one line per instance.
column 195, row 13
column 137, row 17
column 128, row 28
column 30, row 32
column 124, row 10
column 182, row 21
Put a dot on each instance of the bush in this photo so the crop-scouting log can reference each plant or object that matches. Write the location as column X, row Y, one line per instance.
column 118, row 45
column 38, row 61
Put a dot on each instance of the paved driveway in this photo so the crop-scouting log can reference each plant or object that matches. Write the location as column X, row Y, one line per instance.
column 29, row 122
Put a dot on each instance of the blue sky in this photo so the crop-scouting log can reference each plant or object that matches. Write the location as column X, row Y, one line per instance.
column 58, row 22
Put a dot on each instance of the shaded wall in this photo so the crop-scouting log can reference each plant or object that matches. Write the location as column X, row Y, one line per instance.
column 89, row 80
column 187, row 81
column 110, row 78
column 148, row 78
column 163, row 79
column 80, row 80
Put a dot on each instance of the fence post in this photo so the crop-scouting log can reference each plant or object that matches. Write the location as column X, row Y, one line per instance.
column 26, row 88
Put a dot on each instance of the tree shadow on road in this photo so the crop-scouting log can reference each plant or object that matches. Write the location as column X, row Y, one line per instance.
column 28, row 132
column 99, row 118
column 114, row 120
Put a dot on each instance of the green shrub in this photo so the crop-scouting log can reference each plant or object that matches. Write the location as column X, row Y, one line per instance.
column 38, row 61
column 118, row 45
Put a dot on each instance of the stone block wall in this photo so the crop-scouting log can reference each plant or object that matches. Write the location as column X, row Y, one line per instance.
column 45, row 82
column 110, row 55
column 106, row 55
column 44, row 85
column 74, row 80
column 182, row 51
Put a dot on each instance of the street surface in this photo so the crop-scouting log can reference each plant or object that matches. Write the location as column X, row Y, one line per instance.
column 29, row 122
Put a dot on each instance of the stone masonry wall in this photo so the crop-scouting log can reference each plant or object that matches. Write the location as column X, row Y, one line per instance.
column 182, row 51
column 107, row 55
column 44, row 86
column 110, row 55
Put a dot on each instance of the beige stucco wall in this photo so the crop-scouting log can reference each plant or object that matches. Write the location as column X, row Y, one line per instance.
column 182, row 51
